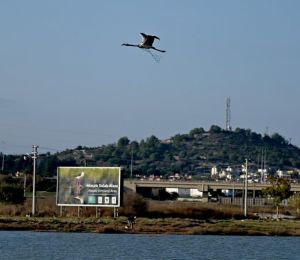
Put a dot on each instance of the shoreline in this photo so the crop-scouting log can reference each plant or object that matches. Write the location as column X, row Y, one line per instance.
column 246, row 227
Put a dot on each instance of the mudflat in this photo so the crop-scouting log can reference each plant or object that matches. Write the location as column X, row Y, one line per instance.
column 154, row 226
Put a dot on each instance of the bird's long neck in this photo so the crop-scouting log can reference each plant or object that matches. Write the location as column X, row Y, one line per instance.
column 132, row 45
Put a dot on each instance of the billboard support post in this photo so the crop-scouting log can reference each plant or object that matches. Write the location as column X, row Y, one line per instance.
column 116, row 212
column 98, row 212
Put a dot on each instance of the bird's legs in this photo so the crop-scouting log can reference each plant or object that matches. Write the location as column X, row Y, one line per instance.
column 157, row 49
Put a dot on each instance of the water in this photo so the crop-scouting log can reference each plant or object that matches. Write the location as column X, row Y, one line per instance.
column 46, row 245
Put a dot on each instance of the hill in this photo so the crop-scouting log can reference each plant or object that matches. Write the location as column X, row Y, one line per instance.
column 193, row 153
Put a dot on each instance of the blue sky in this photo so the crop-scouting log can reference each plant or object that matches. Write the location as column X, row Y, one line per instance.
column 66, row 80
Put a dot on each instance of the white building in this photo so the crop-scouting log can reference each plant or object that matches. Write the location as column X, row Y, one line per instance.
column 214, row 171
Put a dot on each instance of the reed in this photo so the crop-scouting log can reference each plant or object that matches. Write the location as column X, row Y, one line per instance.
column 136, row 205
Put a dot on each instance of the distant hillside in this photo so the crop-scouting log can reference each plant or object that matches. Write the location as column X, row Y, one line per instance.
column 193, row 153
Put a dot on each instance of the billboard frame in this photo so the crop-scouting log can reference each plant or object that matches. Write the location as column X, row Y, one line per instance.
column 119, row 188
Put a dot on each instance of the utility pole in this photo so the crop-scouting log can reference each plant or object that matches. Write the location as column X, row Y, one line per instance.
column 265, row 166
column 261, row 166
column 34, row 157
column 24, row 185
column 131, row 163
column 2, row 167
column 246, row 188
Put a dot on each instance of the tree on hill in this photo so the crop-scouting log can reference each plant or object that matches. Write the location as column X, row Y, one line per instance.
column 196, row 131
column 215, row 129
column 123, row 141
column 279, row 139
column 184, row 153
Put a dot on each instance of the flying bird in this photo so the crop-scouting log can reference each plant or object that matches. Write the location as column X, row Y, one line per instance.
column 146, row 42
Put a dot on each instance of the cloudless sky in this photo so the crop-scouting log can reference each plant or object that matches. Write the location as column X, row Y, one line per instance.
column 65, row 79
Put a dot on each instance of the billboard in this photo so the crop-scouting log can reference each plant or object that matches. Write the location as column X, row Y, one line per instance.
column 89, row 186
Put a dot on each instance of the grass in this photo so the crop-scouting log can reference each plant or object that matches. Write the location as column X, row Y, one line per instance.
column 153, row 217
column 153, row 226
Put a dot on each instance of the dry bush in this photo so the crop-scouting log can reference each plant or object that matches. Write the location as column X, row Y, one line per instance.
column 134, row 204
column 193, row 210
column 47, row 207
column 15, row 209
column 12, row 210
column 3, row 178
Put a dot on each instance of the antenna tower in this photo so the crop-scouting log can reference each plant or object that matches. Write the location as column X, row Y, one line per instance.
column 228, row 115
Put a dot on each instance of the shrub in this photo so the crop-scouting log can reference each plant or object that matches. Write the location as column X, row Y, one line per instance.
column 11, row 193
column 134, row 205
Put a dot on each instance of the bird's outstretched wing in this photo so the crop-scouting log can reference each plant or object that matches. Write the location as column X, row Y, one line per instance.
column 148, row 39
column 144, row 38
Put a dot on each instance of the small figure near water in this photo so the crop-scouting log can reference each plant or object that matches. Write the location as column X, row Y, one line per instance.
column 130, row 222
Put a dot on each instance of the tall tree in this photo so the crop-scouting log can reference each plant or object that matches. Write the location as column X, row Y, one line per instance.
column 279, row 190
column 123, row 141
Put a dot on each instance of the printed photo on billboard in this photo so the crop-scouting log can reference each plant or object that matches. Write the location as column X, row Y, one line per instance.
column 89, row 186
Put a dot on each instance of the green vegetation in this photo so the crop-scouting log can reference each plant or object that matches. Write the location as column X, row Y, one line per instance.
column 193, row 154
column 155, row 226
column 152, row 218
column 294, row 201
column 11, row 193
column 279, row 190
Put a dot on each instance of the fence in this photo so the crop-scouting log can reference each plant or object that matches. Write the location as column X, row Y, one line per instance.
column 250, row 201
